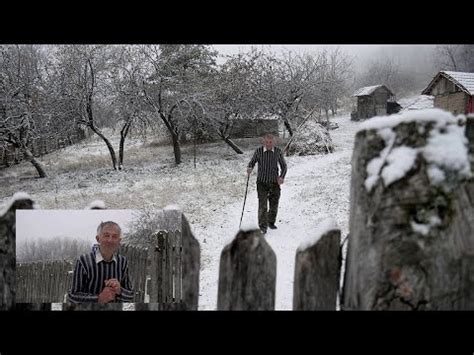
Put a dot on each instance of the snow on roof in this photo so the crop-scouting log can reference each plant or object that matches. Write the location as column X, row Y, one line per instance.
column 368, row 90
column 465, row 81
column 325, row 226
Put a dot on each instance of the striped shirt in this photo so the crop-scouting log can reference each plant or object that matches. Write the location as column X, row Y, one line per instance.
column 268, row 161
column 90, row 273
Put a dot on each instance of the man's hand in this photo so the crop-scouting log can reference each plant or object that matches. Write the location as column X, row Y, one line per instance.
column 114, row 284
column 249, row 171
column 280, row 180
column 107, row 295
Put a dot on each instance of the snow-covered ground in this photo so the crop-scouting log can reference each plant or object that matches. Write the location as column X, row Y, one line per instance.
column 418, row 102
column 211, row 195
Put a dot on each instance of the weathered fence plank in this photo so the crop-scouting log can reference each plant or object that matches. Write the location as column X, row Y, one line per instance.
column 412, row 237
column 317, row 272
column 190, row 264
column 247, row 274
column 8, row 249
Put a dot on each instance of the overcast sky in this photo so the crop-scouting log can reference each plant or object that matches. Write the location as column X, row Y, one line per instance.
column 362, row 53
column 81, row 224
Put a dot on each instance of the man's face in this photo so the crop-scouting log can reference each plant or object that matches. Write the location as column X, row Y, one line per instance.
column 268, row 142
column 109, row 238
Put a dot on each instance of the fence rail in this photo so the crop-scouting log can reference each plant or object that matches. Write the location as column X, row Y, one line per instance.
column 10, row 155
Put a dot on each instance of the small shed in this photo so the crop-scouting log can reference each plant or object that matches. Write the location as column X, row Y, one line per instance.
column 249, row 128
column 452, row 91
column 372, row 101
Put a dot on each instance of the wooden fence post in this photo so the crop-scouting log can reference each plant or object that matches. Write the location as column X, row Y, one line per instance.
column 190, row 264
column 411, row 227
column 8, row 249
column 247, row 274
column 317, row 273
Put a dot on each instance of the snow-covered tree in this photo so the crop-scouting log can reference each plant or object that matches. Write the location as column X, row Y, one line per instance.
column 177, row 84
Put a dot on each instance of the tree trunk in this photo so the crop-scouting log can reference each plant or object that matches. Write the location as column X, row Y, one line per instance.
column 411, row 242
column 176, row 148
column 232, row 145
column 123, row 135
column 288, row 125
column 109, row 146
column 30, row 157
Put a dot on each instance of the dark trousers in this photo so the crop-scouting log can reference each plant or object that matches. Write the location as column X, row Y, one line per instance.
column 267, row 193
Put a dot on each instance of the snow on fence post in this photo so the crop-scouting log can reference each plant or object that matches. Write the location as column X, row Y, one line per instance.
column 317, row 271
column 411, row 242
column 7, row 248
column 247, row 274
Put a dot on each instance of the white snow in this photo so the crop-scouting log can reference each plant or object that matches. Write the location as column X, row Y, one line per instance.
column 366, row 90
column 324, row 227
column 446, row 148
column 424, row 229
column 375, row 165
column 400, row 161
column 416, row 103
column 172, row 208
column 16, row 197
column 211, row 195
column 96, row 204
column 440, row 117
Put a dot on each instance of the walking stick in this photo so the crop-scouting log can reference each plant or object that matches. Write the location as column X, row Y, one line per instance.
column 245, row 199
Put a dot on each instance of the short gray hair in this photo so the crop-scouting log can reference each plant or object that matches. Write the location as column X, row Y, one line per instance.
column 102, row 225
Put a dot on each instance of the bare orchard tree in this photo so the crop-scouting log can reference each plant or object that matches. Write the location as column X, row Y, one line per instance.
column 126, row 88
column 286, row 82
column 455, row 57
column 233, row 95
column 88, row 68
column 22, row 109
column 333, row 79
column 178, row 77
column 57, row 248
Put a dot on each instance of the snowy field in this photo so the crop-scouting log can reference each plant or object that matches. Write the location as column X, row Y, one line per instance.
column 210, row 195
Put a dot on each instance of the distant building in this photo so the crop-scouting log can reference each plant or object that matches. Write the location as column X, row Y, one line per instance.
column 249, row 128
column 375, row 100
column 452, row 91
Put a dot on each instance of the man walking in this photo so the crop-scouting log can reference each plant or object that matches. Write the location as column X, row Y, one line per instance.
column 268, row 158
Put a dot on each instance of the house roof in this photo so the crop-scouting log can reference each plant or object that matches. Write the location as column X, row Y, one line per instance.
column 369, row 90
column 464, row 81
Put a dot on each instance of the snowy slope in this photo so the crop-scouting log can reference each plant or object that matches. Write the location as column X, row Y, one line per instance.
column 211, row 195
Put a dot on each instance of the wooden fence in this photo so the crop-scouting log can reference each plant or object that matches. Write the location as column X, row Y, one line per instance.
column 50, row 281
column 400, row 257
column 10, row 155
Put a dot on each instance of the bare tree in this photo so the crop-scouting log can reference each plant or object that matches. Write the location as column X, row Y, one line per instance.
column 87, row 68
column 233, row 95
column 455, row 57
column 56, row 248
column 22, row 94
column 126, row 88
column 176, row 84
column 285, row 84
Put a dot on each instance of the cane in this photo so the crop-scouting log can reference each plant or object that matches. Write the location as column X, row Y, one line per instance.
column 245, row 199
